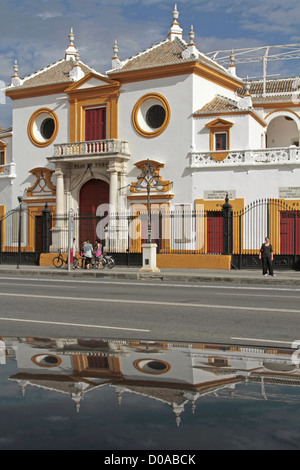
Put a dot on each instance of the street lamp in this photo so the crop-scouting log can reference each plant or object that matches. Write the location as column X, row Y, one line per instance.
column 20, row 200
column 149, row 179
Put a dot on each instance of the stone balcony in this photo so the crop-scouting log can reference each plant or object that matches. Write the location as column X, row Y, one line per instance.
column 8, row 171
column 287, row 156
column 108, row 149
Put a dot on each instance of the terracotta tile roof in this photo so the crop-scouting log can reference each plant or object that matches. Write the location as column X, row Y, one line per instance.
column 219, row 103
column 53, row 74
column 165, row 53
column 287, row 86
column 284, row 90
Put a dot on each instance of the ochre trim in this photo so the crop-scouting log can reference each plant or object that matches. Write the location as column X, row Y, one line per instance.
column 31, row 136
column 282, row 110
column 140, row 102
column 233, row 113
column 216, row 205
column 185, row 68
column 193, row 261
column 104, row 98
column 2, row 227
column 32, row 92
column 219, row 126
column 286, row 104
column 3, row 146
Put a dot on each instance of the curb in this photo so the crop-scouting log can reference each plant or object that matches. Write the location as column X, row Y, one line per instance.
column 163, row 277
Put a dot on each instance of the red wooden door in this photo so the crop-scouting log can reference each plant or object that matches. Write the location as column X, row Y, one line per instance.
column 95, row 124
column 92, row 195
column 214, row 232
column 290, row 233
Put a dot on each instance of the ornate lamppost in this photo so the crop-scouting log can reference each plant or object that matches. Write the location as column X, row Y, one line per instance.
column 148, row 180
column 20, row 200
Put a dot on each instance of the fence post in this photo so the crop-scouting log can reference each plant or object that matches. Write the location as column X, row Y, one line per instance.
column 227, row 227
column 0, row 241
column 46, row 226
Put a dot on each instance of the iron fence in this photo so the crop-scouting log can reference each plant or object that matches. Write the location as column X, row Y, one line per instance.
column 178, row 231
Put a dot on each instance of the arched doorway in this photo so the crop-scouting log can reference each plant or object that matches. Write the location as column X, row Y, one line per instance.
column 282, row 132
column 93, row 193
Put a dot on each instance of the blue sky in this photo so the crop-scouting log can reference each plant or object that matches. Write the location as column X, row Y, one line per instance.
column 35, row 32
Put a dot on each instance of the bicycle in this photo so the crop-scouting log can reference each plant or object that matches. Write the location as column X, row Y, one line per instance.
column 60, row 260
column 103, row 262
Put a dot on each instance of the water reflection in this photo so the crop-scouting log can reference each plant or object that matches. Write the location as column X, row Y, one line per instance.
column 146, row 395
column 177, row 375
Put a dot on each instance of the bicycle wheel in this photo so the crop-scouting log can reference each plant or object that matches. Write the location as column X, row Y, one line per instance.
column 102, row 263
column 57, row 262
column 110, row 263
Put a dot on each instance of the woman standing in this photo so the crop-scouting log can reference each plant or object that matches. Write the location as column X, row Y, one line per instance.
column 266, row 255
column 88, row 249
column 98, row 251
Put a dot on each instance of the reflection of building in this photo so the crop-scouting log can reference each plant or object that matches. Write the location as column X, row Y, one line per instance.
column 80, row 137
column 177, row 374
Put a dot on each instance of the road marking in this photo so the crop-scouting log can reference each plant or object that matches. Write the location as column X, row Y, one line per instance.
column 196, row 285
column 44, row 322
column 263, row 340
column 150, row 302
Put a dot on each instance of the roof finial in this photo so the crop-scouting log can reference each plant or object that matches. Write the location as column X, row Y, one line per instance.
column 232, row 67
column 175, row 31
column 71, row 51
column 16, row 69
column 116, row 48
column 71, row 37
column 15, row 79
column 116, row 62
column 192, row 35
column 175, row 13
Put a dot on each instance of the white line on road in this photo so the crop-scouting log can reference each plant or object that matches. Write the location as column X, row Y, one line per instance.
column 196, row 285
column 150, row 302
column 44, row 322
column 256, row 340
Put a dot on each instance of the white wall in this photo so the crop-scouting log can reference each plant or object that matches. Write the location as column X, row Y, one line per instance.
column 26, row 155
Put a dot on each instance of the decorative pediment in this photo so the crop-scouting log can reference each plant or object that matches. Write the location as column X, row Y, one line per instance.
column 43, row 186
column 156, row 167
column 91, row 81
column 219, row 123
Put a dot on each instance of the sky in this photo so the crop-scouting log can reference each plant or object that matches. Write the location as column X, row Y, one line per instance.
column 35, row 32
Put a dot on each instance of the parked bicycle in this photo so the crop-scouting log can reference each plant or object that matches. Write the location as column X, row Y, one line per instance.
column 103, row 262
column 61, row 260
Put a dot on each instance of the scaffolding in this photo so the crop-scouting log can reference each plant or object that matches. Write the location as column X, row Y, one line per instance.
column 262, row 54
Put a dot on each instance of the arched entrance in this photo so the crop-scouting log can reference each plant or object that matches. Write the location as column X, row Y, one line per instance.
column 282, row 132
column 92, row 194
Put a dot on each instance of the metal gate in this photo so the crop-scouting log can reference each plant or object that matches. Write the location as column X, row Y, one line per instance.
column 20, row 237
column 270, row 218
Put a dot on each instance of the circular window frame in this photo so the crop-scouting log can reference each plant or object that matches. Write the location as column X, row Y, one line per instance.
column 138, row 365
column 36, row 360
column 32, row 127
column 152, row 98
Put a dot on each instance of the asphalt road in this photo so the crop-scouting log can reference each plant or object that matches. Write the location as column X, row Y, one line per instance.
column 152, row 310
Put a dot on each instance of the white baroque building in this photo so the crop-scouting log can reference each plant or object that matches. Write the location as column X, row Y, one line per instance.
column 80, row 138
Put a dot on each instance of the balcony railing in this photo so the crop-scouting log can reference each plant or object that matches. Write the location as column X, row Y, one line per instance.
column 270, row 156
column 103, row 148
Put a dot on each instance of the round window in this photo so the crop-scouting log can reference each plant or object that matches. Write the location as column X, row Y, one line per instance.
column 46, row 360
column 151, row 115
column 156, row 116
column 47, row 128
column 152, row 366
column 43, row 127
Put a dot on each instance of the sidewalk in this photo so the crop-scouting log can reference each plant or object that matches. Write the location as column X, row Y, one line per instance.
column 243, row 277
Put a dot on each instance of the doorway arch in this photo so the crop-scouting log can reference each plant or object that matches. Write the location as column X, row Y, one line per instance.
column 283, row 129
column 93, row 194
